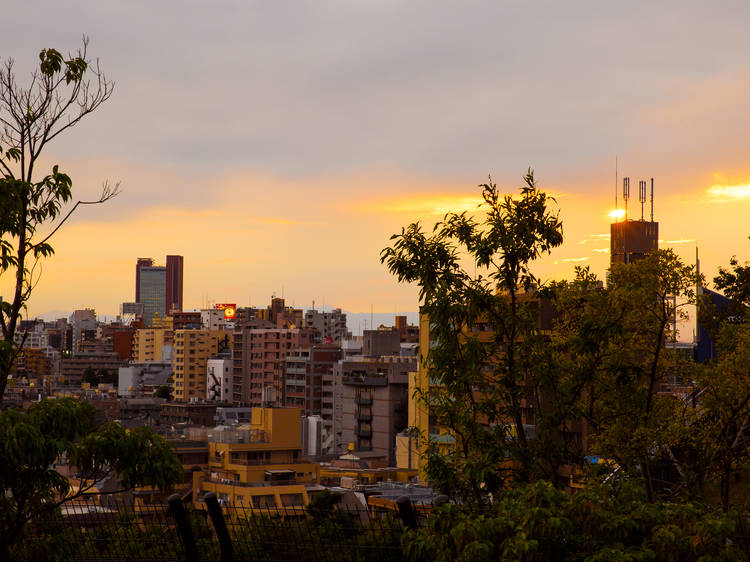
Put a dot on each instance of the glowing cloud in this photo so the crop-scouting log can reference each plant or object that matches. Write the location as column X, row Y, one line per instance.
column 574, row 259
column 602, row 250
column 722, row 193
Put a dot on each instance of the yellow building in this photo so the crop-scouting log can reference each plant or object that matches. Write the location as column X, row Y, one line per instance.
column 148, row 343
column 258, row 465
column 348, row 477
column 192, row 350
column 410, row 446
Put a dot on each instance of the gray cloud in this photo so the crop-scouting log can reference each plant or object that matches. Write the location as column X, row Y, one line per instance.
column 455, row 89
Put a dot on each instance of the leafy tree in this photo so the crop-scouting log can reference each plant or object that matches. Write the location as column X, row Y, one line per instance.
column 539, row 522
column 484, row 326
column 610, row 345
column 718, row 418
column 89, row 376
column 587, row 382
column 163, row 391
column 62, row 91
column 107, row 377
column 52, row 431
column 734, row 281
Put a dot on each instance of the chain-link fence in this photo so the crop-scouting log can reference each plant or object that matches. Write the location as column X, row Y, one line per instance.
column 111, row 530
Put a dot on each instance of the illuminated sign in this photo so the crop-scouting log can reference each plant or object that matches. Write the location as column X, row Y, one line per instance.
column 230, row 310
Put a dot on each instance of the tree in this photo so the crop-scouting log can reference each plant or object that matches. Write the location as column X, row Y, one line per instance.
column 107, row 377
column 586, row 380
column 734, row 281
column 31, row 442
column 613, row 343
column 484, row 327
column 61, row 93
column 535, row 522
column 89, row 376
column 163, row 391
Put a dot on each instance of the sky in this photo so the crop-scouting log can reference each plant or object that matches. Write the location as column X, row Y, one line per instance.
column 278, row 145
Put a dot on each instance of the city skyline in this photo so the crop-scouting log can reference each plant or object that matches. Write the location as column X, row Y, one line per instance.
column 284, row 166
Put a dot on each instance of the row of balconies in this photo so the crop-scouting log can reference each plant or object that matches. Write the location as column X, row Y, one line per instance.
column 363, row 400
column 364, row 415
column 363, row 431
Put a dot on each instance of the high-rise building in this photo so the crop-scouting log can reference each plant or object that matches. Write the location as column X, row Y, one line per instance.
column 259, row 359
column 157, row 288
column 331, row 326
column 630, row 239
column 192, row 350
column 174, row 284
column 142, row 262
column 152, row 292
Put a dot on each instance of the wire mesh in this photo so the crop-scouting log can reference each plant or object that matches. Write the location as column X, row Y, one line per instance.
column 100, row 528
column 344, row 533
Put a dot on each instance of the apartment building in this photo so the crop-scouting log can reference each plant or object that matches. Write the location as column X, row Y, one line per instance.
column 308, row 381
column 192, row 350
column 71, row 368
column 259, row 356
column 149, row 343
column 258, row 465
column 331, row 326
column 371, row 402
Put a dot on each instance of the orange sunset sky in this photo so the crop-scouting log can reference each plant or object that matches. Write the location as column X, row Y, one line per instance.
column 278, row 145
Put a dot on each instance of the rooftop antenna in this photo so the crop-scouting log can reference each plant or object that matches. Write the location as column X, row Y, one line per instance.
column 642, row 195
column 626, row 194
column 652, row 199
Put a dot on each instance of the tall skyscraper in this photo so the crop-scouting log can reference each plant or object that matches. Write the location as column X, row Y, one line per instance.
column 632, row 240
column 142, row 262
column 152, row 292
column 174, row 284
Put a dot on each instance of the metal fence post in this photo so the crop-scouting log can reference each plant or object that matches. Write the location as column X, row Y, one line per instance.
column 220, row 526
column 406, row 512
column 186, row 532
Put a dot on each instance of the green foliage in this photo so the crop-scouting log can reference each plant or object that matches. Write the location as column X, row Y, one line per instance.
column 610, row 345
column 50, row 431
column 734, row 281
column 255, row 536
column 89, row 376
column 594, row 367
column 61, row 93
column 480, row 375
column 323, row 503
column 539, row 522
column 164, row 391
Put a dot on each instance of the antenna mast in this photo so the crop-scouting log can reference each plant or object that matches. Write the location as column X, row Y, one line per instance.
column 626, row 194
column 642, row 195
column 652, row 199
